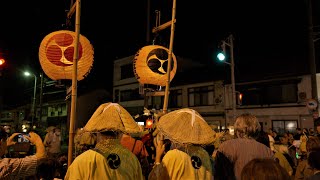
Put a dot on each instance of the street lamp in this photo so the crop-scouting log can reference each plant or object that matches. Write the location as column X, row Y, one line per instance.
column 26, row 73
column 222, row 56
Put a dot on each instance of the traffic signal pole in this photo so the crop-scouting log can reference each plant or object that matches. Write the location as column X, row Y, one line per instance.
column 234, row 102
column 229, row 42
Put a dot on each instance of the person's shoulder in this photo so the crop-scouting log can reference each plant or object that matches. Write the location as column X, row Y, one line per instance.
column 174, row 154
column 230, row 142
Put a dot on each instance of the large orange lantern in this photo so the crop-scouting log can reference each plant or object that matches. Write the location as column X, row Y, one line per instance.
column 56, row 55
column 150, row 65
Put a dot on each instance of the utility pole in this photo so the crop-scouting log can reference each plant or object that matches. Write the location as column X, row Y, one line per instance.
column 40, row 98
column 221, row 57
column 234, row 103
column 311, row 52
column 34, row 100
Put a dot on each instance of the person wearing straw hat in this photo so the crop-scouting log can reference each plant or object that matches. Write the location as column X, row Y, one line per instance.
column 244, row 147
column 109, row 159
column 186, row 158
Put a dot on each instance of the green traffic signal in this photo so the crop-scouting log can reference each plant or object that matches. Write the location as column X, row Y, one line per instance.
column 221, row 56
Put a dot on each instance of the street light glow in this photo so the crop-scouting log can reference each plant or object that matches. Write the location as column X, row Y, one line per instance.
column 26, row 73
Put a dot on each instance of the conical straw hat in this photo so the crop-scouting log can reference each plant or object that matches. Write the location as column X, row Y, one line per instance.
column 50, row 128
column 186, row 126
column 111, row 117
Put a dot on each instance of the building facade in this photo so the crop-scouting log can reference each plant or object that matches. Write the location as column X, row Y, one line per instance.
column 280, row 104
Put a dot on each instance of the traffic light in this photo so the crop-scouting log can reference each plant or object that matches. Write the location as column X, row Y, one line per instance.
column 222, row 55
column 240, row 96
column 149, row 123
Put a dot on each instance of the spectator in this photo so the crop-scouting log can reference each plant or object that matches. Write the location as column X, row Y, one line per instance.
column 314, row 162
column 311, row 132
column 137, row 147
column 276, row 137
column 304, row 170
column 263, row 169
column 15, row 168
column 280, row 157
column 109, row 159
column 52, row 142
column 316, row 123
column 244, row 147
column 46, row 169
column 298, row 133
column 223, row 168
column 84, row 141
column 147, row 140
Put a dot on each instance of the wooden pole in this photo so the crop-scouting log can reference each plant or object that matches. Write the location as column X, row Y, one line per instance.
column 74, row 84
column 311, row 53
column 166, row 95
column 233, row 82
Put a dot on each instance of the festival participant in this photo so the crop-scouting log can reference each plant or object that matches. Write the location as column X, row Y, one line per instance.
column 186, row 158
column 16, row 168
column 109, row 159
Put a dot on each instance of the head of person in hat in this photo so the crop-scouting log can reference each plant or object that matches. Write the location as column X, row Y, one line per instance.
column 186, row 158
column 108, row 159
column 186, row 126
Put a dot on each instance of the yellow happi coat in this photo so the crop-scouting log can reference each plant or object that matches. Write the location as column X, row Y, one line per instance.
column 115, row 162
column 178, row 165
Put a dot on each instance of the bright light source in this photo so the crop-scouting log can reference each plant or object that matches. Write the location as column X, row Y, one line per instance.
column 141, row 123
column 149, row 123
column 221, row 56
column 27, row 73
column 290, row 125
column 2, row 61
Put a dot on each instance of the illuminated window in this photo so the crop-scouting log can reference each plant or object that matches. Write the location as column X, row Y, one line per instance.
column 283, row 126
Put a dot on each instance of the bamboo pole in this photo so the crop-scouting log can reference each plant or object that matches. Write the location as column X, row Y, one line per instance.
column 74, row 84
column 166, row 95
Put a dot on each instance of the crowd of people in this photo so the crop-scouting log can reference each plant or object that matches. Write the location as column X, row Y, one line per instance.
column 181, row 145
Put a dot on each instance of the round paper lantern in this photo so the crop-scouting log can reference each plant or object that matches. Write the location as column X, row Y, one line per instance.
column 56, row 55
column 150, row 65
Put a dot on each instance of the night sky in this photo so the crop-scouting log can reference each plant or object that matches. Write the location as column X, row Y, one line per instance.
column 270, row 35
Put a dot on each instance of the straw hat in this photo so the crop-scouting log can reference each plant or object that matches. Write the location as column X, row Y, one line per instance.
column 186, row 126
column 50, row 128
column 111, row 117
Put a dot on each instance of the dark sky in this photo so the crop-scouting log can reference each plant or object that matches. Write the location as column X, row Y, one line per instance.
column 270, row 35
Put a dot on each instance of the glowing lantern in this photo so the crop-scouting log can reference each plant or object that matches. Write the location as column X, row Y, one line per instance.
column 150, row 65
column 56, row 55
